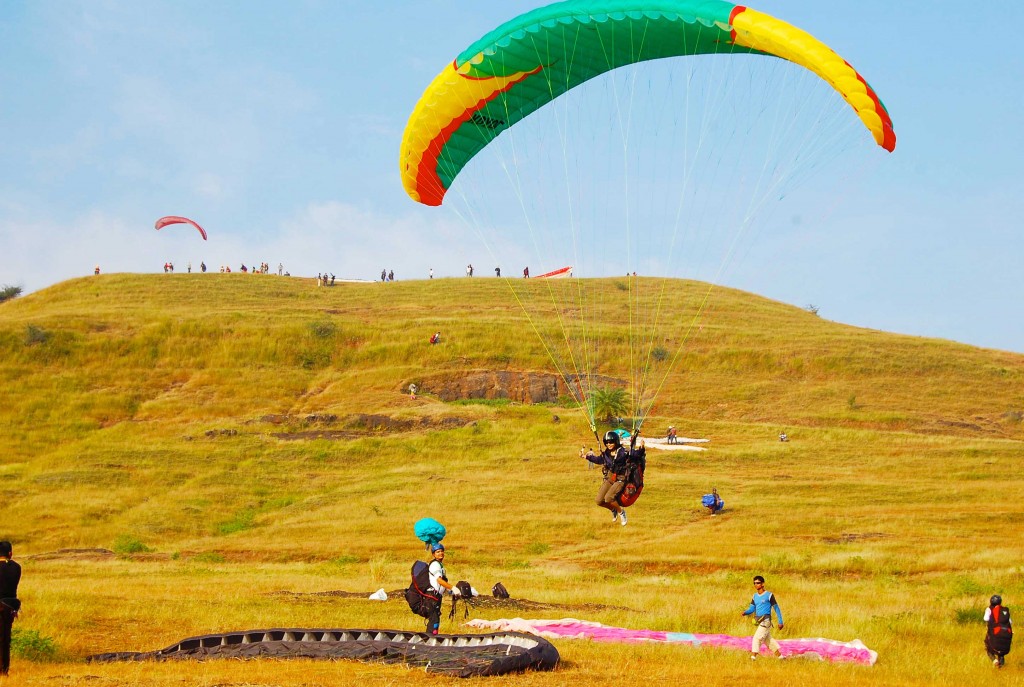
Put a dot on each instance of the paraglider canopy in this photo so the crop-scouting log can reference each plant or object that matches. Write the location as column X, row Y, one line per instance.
column 523, row 65
column 430, row 531
column 173, row 219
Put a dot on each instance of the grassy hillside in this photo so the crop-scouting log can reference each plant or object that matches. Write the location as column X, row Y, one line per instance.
column 231, row 436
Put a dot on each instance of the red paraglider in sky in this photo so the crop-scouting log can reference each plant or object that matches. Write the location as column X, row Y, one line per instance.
column 165, row 221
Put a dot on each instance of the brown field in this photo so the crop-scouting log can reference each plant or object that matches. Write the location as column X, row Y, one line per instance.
column 204, row 438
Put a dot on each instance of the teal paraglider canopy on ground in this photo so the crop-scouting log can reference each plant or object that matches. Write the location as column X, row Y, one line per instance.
column 429, row 531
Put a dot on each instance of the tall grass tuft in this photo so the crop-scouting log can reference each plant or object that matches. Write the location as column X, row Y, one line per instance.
column 33, row 646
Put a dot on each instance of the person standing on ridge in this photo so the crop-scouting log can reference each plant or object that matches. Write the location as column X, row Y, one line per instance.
column 10, row 576
column 761, row 605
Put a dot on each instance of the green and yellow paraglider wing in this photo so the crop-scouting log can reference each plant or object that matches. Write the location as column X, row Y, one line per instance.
column 531, row 60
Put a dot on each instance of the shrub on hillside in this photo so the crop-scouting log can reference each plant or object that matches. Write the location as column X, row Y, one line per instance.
column 968, row 616
column 318, row 345
column 32, row 646
column 323, row 330
column 243, row 520
column 35, row 335
column 8, row 292
column 126, row 544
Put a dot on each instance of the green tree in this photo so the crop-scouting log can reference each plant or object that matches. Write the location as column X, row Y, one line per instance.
column 8, row 292
column 609, row 403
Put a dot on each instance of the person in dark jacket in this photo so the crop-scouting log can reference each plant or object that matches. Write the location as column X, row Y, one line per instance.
column 999, row 636
column 10, row 576
column 614, row 461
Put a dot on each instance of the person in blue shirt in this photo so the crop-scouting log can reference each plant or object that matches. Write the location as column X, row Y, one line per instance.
column 761, row 605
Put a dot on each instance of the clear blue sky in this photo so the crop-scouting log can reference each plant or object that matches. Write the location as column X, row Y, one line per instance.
column 277, row 125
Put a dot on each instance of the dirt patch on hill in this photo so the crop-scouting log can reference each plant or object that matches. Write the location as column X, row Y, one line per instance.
column 977, row 426
column 850, row 537
column 514, row 385
column 73, row 555
column 359, row 425
column 95, row 555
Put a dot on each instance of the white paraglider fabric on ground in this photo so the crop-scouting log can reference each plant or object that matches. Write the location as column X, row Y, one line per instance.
column 682, row 444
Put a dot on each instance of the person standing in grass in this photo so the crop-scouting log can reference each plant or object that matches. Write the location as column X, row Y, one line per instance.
column 439, row 583
column 761, row 605
column 1000, row 631
column 10, row 576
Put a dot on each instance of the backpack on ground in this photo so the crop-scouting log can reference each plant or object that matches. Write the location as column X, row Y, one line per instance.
column 422, row 598
column 1000, row 630
column 498, row 591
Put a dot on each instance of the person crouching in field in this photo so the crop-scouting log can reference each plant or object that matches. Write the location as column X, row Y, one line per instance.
column 1000, row 631
column 761, row 605
column 713, row 502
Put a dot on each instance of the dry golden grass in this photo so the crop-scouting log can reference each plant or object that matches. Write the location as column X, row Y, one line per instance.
column 134, row 415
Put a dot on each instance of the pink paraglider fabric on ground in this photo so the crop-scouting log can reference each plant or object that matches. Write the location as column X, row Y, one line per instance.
column 570, row 628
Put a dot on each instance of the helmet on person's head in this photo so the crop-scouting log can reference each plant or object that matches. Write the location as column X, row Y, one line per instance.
column 996, row 600
column 612, row 437
column 437, row 547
